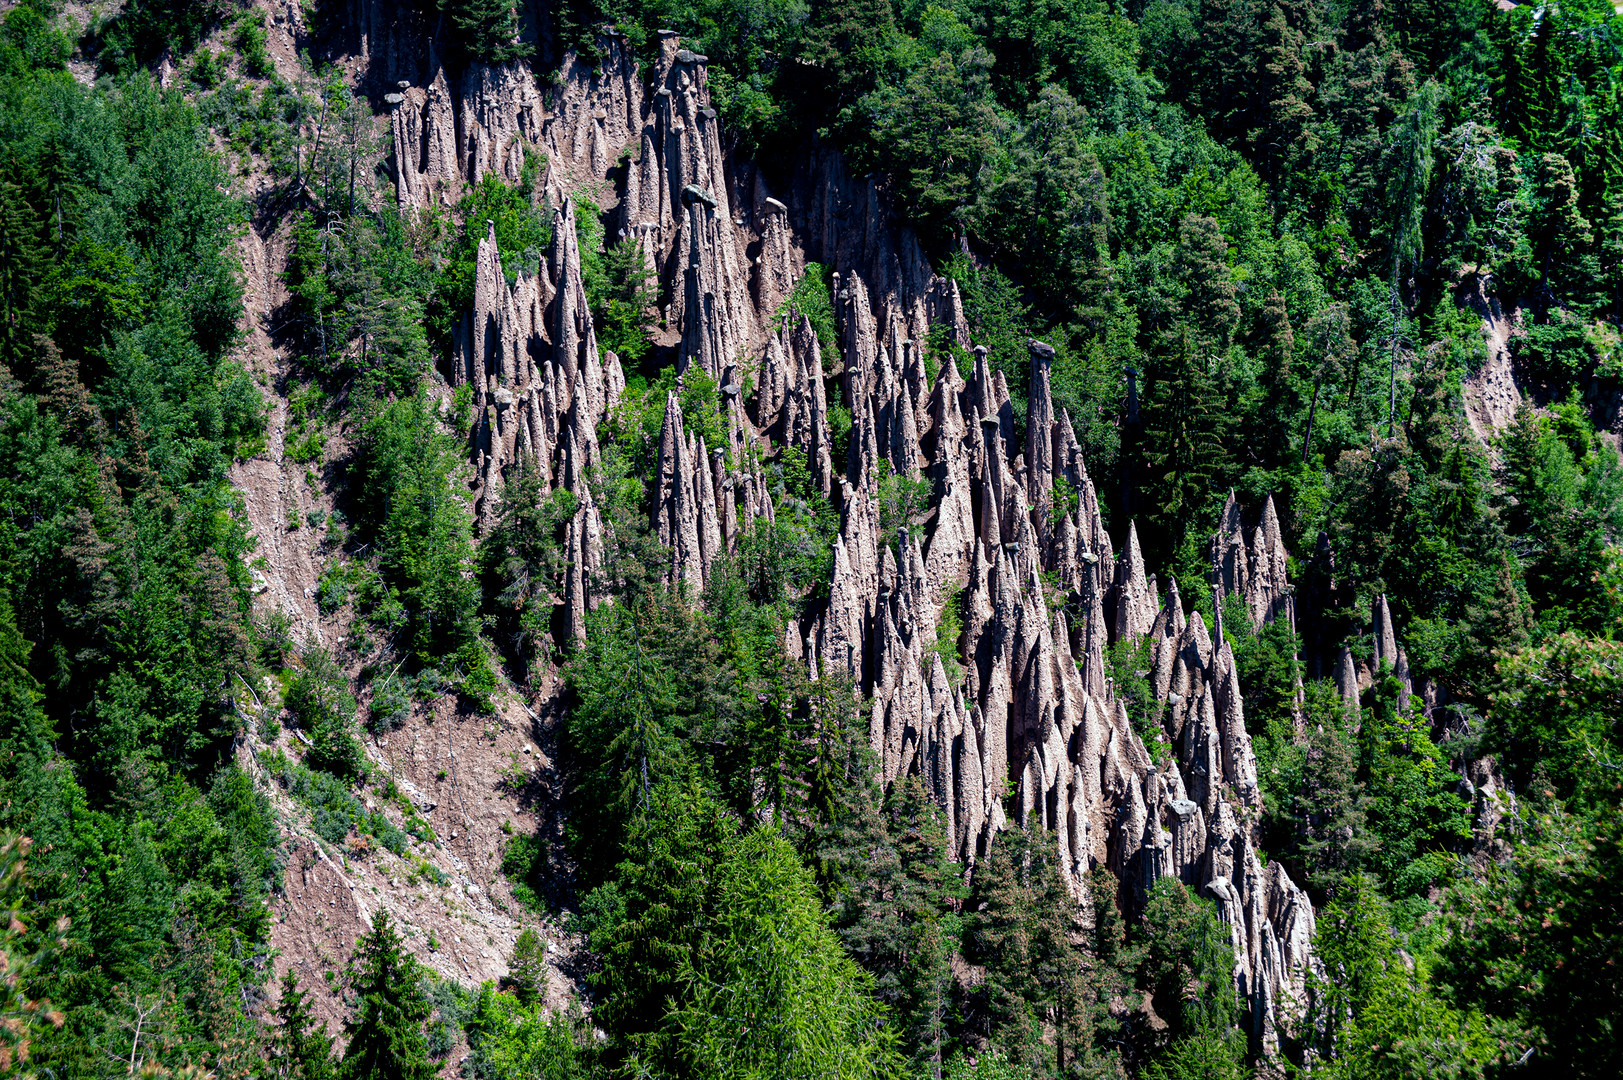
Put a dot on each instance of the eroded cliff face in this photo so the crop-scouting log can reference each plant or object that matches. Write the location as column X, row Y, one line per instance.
column 1034, row 733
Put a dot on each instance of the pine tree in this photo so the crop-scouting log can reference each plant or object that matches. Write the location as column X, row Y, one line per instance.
column 1022, row 932
column 22, row 264
column 297, row 1047
column 527, row 970
column 1557, row 228
column 663, row 904
column 386, row 1040
column 487, row 29
column 1288, row 140
column 1276, row 348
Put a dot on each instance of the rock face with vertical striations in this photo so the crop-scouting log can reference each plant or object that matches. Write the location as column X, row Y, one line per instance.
column 1033, row 732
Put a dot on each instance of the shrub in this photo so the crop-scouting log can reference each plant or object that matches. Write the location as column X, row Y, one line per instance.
column 250, row 42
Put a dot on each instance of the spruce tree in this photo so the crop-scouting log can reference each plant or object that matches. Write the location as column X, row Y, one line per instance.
column 22, row 265
column 527, row 970
column 1276, row 347
column 386, row 1040
column 1022, row 932
column 486, row 29
column 926, row 901
column 297, row 1047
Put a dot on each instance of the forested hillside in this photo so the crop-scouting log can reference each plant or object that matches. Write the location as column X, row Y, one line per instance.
column 765, row 538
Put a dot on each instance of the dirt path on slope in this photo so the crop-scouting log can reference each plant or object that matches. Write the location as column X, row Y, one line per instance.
column 1492, row 394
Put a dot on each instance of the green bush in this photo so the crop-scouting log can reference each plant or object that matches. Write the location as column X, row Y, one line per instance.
column 249, row 39
column 523, row 235
column 813, row 298
column 415, row 512
column 143, row 29
column 318, row 696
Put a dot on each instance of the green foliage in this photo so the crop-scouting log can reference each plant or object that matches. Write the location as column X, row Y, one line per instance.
column 1130, row 661
column 267, row 120
column 30, row 43
column 1265, row 659
column 949, row 635
column 1259, row 238
column 141, row 31
column 1188, row 963
column 771, row 992
column 358, row 288
column 1021, row 932
column 1532, row 941
column 124, row 624
column 525, row 862
column 1555, row 712
column 648, row 923
column 249, row 39
column 522, row 562
column 1415, row 809
column 335, row 810
column 386, row 1039
column 902, row 499
column 895, row 901
column 527, row 971
column 318, row 696
column 784, row 563
column 813, row 299
column 1380, row 1014
column 991, row 1065
column 523, row 229
column 486, row 30
column 515, row 1039
column 416, row 516
column 618, row 290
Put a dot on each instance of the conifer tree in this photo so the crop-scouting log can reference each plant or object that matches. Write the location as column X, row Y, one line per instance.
column 488, row 29
column 527, row 970
column 847, row 39
column 1276, row 348
column 770, row 992
column 1022, row 932
column 1288, row 141
column 22, row 264
column 1329, row 343
column 1188, row 962
column 386, row 1040
column 297, row 1047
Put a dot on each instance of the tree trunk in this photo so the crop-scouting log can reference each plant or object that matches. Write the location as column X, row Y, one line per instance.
column 1307, row 439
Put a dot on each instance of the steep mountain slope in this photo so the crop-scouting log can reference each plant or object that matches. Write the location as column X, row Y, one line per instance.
column 1016, row 528
column 895, row 549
